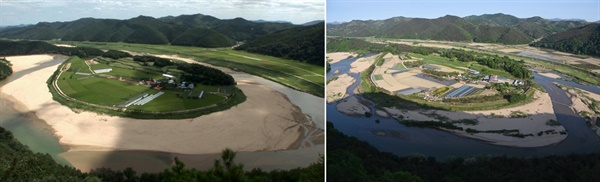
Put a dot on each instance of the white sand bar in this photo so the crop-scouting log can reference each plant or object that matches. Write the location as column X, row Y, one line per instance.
column 338, row 56
column 336, row 89
column 251, row 126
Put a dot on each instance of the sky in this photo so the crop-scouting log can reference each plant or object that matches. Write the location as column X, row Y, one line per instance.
column 15, row 12
column 347, row 10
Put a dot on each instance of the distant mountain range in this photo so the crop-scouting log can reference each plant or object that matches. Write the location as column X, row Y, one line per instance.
column 190, row 30
column 581, row 40
column 313, row 23
column 569, row 19
column 268, row 21
column 490, row 28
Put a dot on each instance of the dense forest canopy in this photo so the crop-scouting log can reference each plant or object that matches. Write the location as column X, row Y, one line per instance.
column 489, row 28
column 583, row 40
column 353, row 159
column 10, row 48
column 187, row 30
column 362, row 47
column 304, row 44
column 205, row 75
column 514, row 67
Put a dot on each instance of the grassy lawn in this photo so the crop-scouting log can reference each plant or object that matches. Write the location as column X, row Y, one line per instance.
column 169, row 101
column 109, row 92
column 366, row 86
column 377, row 77
column 435, row 59
column 99, row 66
column 400, row 66
column 130, row 73
column 100, row 91
column 484, row 70
column 301, row 76
column 78, row 65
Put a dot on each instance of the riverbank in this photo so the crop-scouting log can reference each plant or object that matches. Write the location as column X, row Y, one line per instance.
column 586, row 104
column 361, row 64
column 154, row 161
column 338, row 56
column 263, row 126
column 530, row 120
column 336, row 89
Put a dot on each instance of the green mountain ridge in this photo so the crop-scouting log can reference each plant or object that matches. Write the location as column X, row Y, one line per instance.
column 582, row 40
column 207, row 31
column 304, row 44
column 488, row 28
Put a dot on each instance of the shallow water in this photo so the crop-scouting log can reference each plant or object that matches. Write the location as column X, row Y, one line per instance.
column 309, row 104
column 533, row 55
column 26, row 127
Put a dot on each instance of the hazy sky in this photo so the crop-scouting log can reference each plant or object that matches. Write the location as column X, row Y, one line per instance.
column 347, row 10
column 14, row 12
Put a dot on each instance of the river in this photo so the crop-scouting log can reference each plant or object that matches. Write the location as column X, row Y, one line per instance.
column 39, row 136
column 402, row 140
column 26, row 127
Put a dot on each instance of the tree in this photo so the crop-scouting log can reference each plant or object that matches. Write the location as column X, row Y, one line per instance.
column 226, row 169
column 180, row 173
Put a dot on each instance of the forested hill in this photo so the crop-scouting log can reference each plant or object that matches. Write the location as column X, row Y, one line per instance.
column 189, row 30
column 582, row 40
column 355, row 160
column 489, row 28
column 304, row 44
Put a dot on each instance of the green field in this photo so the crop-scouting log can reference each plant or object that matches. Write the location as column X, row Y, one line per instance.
column 112, row 92
column 484, row 70
column 399, row 66
column 435, row 59
column 79, row 66
column 377, row 77
column 297, row 75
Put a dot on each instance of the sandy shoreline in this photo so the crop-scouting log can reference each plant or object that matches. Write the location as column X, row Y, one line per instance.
column 352, row 106
column 262, row 126
column 581, row 103
column 361, row 64
column 336, row 89
column 338, row 56
column 538, row 113
column 154, row 161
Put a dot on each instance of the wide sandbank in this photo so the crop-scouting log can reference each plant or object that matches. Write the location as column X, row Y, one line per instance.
column 338, row 56
column 266, row 121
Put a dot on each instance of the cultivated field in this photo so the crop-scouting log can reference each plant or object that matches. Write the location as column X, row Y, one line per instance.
column 117, row 88
column 301, row 76
column 393, row 76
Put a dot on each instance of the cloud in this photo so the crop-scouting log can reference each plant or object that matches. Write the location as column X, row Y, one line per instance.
column 294, row 11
